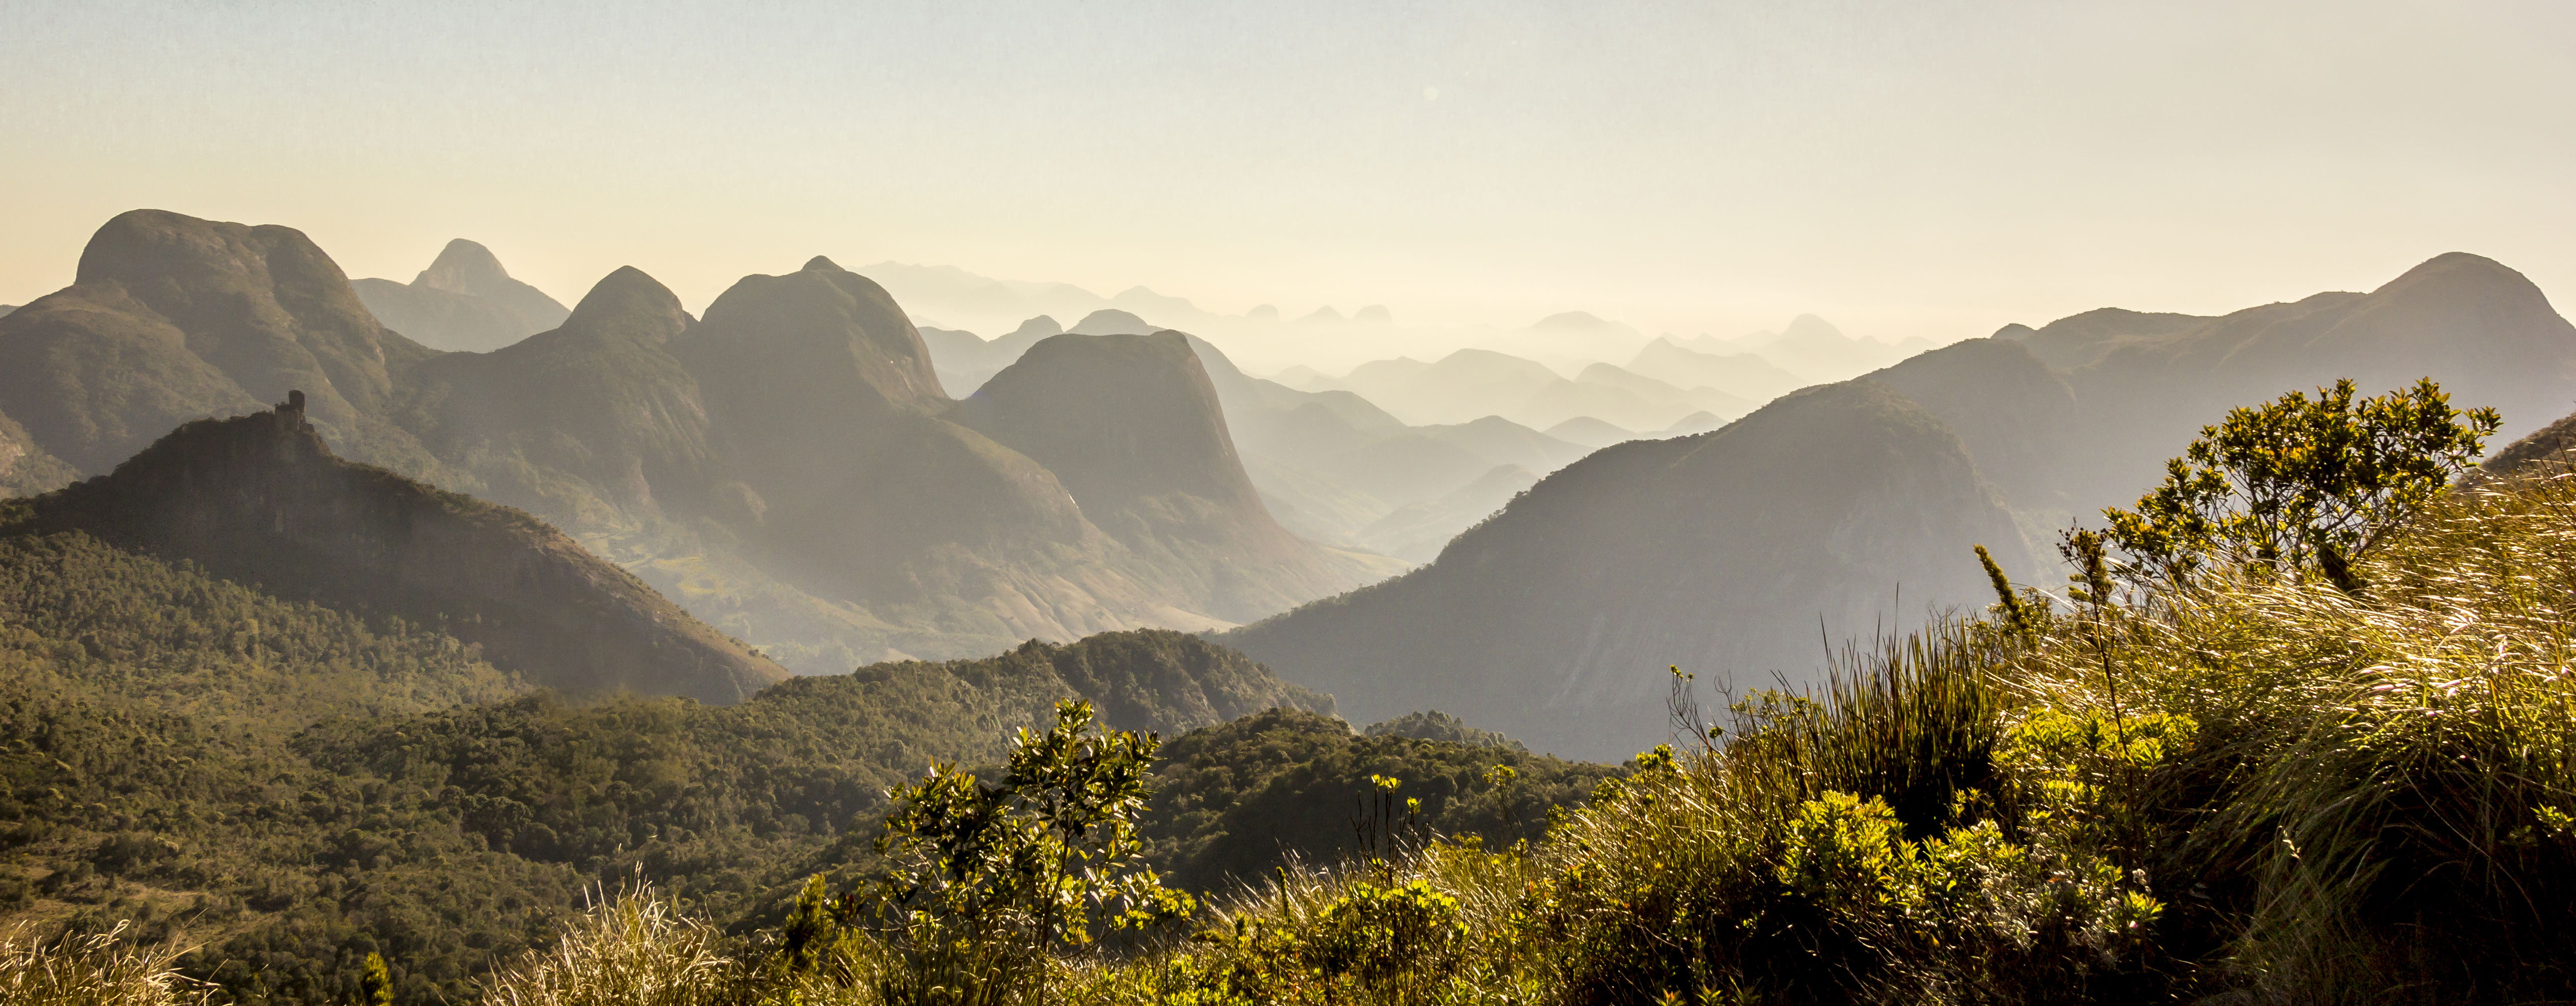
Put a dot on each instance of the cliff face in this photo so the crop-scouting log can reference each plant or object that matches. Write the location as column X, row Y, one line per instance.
column 261, row 499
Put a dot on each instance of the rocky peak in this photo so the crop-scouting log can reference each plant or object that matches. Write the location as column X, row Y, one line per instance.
column 463, row 267
column 1112, row 321
column 632, row 303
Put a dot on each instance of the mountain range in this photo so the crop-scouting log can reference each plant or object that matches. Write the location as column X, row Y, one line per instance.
column 465, row 300
column 788, row 467
column 1851, row 508
column 1331, row 466
column 793, row 468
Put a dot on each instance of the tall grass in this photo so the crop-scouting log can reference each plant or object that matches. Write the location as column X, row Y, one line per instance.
column 2245, row 786
column 630, row 951
column 99, row 969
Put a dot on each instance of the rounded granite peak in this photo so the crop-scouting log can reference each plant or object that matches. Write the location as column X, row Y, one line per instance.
column 1112, row 321
column 630, row 300
column 822, row 264
column 464, row 267
column 2474, row 275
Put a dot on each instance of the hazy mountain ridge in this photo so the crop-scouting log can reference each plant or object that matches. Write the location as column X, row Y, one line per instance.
column 2479, row 328
column 1548, row 620
column 261, row 499
column 464, row 301
column 1537, row 607
column 1156, row 468
column 1327, row 464
column 781, row 466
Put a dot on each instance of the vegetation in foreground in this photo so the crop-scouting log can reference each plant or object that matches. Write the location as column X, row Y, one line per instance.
column 2336, row 772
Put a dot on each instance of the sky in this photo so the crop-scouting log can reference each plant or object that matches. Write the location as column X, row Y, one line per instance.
column 1917, row 168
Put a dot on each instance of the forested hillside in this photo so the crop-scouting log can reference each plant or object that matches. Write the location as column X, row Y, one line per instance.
column 290, row 786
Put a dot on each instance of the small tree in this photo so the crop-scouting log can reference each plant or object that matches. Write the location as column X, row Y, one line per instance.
column 1010, row 871
column 375, row 982
column 2301, row 484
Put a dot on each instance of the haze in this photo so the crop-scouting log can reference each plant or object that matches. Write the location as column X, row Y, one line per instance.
column 1907, row 170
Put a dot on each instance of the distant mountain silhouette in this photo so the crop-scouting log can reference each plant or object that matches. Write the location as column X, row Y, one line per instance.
column 1553, row 621
column 1743, row 375
column 1720, row 552
column 1480, row 382
column 1692, row 425
column 965, row 361
column 1416, row 532
column 1591, row 432
column 1111, row 321
column 260, row 499
column 465, row 300
column 1330, row 465
column 2481, row 329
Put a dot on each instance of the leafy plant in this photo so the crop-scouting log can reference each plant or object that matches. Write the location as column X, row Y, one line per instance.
column 996, row 876
column 2302, row 483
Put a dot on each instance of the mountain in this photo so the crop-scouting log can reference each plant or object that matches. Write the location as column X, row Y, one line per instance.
column 964, row 361
column 1479, row 382
column 2481, row 329
column 1623, row 397
column 1744, row 375
column 1464, row 385
column 1416, row 532
column 1112, row 321
column 782, row 468
column 171, row 318
column 25, row 468
column 1132, row 426
column 1553, row 621
column 2079, row 339
column 1329, row 465
column 2019, row 419
column 1590, row 432
column 465, row 300
column 261, row 499
column 1811, row 348
column 1691, row 425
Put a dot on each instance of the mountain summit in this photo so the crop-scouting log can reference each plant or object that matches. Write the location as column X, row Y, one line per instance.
column 465, row 301
column 173, row 318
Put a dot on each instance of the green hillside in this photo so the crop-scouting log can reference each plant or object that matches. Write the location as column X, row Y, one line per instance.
column 288, row 786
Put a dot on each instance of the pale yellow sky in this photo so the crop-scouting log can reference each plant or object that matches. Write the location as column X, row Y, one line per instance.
column 1903, row 168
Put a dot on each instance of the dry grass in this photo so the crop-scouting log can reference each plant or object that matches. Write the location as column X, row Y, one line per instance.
column 632, row 951
column 94, row 970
